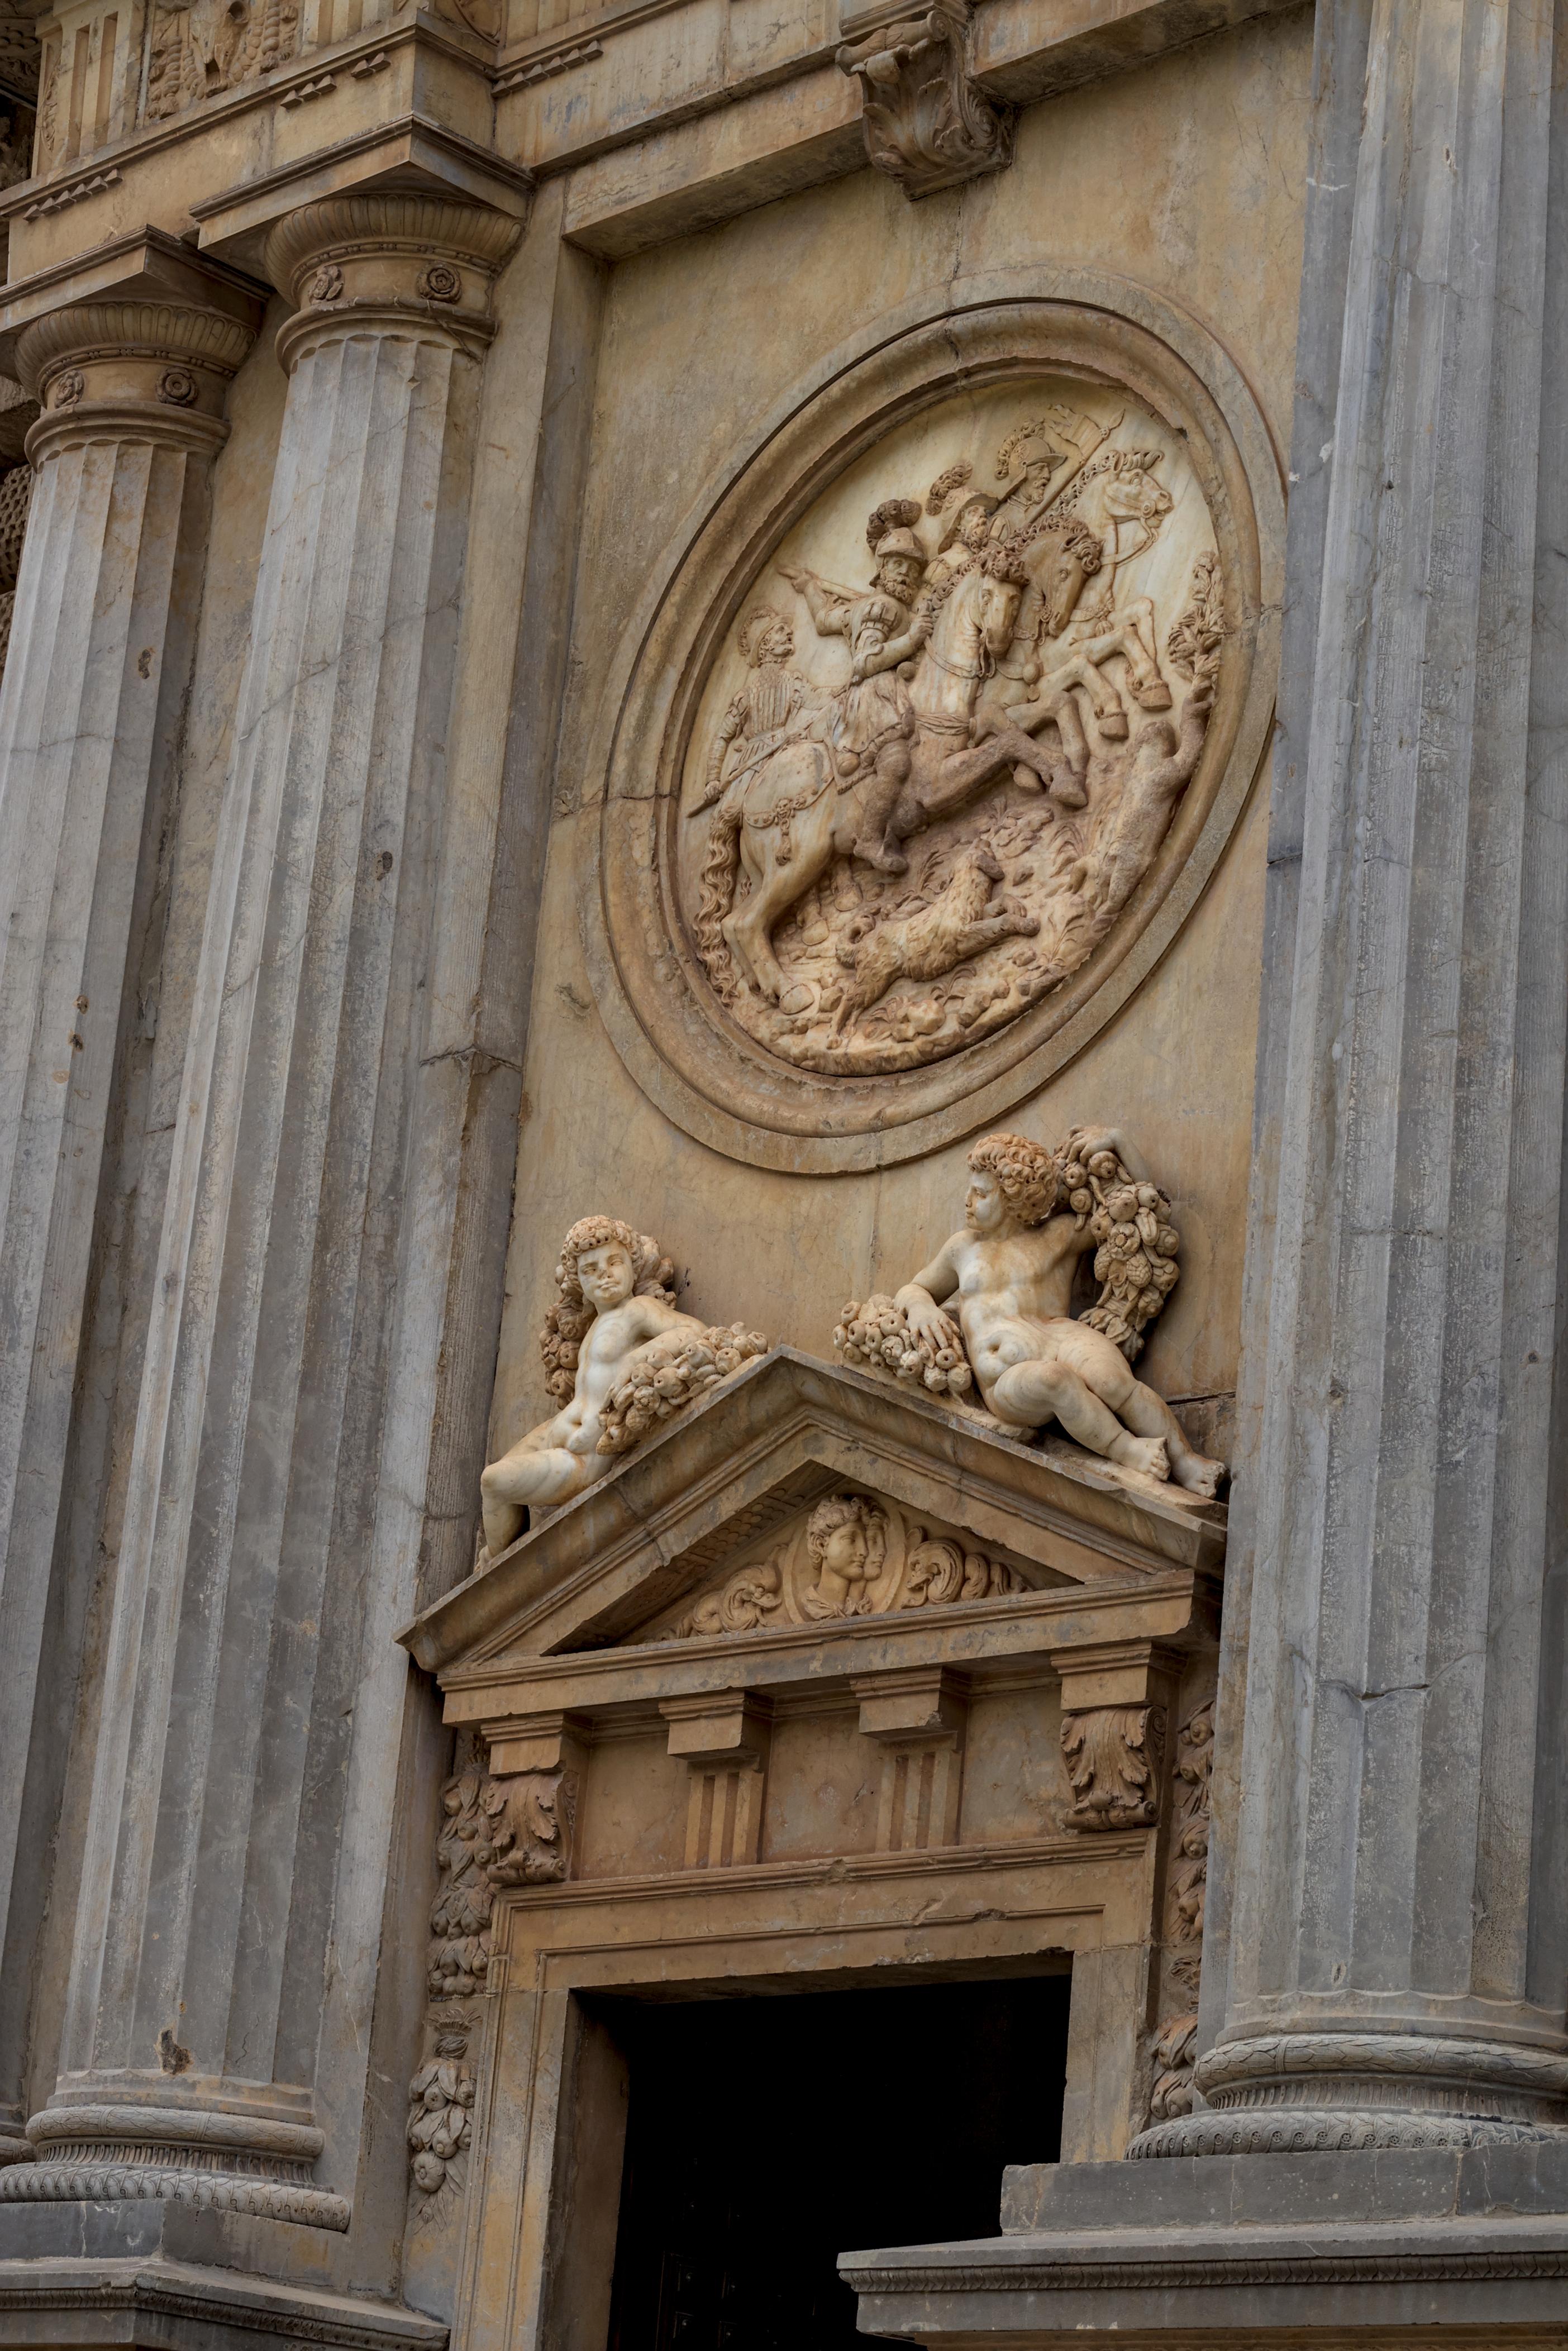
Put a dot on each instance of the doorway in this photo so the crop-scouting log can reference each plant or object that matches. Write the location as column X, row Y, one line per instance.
column 767, row 2135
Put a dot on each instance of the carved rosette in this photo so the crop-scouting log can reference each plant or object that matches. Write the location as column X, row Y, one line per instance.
column 390, row 264
column 136, row 369
column 928, row 124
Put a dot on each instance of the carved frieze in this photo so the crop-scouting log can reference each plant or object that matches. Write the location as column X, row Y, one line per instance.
column 896, row 802
column 850, row 1556
column 201, row 47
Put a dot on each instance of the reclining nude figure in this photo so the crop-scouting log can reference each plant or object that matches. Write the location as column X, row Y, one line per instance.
column 1011, row 1271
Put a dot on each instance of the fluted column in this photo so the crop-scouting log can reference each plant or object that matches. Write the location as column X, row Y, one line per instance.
column 230, row 1864
column 1394, row 1970
column 132, row 397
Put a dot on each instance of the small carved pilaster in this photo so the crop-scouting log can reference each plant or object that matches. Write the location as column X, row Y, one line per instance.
column 1175, row 2044
column 917, row 1719
column 724, row 1740
column 928, row 124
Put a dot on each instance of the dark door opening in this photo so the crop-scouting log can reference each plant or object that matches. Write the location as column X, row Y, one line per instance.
column 764, row 2136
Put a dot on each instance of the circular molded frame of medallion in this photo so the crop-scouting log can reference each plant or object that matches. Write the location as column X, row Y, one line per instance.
column 671, row 1029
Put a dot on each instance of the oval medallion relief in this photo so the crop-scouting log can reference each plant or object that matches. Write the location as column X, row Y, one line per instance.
column 939, row 722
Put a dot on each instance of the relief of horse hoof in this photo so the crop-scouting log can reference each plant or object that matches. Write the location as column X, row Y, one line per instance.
column 796, row 999
column 884, row 860
column 1113, row 726
column 1068, row 792
column 1156, row 696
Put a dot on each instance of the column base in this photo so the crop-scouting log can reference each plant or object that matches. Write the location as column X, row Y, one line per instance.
column 1337, row 2252
column 218, row 2146
column 157, row 2273
column 1317, row 2092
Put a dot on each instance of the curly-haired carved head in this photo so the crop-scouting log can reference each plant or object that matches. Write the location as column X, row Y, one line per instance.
column 623, row 1264
column 837, row 1514
column 1026, row 1174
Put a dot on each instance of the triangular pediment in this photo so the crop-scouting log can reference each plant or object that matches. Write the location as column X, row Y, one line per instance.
column 724, row 1497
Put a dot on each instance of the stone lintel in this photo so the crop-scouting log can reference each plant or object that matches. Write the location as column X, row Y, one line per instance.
column 994, row 1638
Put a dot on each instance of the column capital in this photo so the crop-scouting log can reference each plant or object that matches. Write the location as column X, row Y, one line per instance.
column 144, row 365
column 389, row 261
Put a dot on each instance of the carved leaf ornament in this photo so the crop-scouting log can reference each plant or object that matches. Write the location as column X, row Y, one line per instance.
column 900, row 813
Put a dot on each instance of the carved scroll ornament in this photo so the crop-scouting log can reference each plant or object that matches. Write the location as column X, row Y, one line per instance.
column 928, row 124
column 851, row 1557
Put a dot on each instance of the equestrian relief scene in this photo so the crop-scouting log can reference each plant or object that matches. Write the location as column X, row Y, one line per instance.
column 951, row 727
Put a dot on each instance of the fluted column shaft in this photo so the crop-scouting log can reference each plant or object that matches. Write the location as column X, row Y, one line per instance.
column 132, row 395
column 220, row 1881
column 1395, row 1965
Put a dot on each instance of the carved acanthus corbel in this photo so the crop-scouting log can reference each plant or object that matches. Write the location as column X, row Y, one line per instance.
column 928, row 123
column 1112, row 1761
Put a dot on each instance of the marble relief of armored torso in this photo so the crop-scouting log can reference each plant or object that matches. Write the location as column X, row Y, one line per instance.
column 945, row 741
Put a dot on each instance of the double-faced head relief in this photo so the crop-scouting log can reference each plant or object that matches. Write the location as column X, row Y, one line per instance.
column 942, row 746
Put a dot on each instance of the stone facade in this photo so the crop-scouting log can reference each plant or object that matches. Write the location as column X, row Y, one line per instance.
column 778, row 808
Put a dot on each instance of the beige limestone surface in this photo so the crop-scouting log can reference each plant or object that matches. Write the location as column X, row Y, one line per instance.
column 1182, row 176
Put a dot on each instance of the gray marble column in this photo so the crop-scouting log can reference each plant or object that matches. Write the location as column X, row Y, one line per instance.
column 1393, row 1969
column 238, row 1838
column 98, row 664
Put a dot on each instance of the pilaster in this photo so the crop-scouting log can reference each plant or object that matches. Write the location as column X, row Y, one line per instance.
column 132, row 393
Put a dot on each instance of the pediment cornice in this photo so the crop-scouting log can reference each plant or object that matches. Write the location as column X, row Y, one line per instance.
column 771, row 1441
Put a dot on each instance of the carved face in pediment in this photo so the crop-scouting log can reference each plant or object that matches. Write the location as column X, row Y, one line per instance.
column 852, row 1554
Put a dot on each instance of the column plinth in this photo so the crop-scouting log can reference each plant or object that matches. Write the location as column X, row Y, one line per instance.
column 230, row 1918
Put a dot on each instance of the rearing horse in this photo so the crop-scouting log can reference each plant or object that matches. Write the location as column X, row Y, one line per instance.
column 795, row 813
